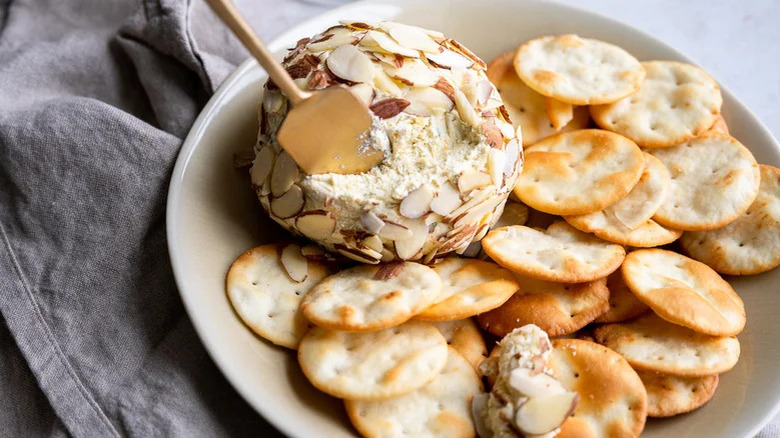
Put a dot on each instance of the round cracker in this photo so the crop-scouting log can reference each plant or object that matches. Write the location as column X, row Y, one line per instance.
column 464, row 336
column 560, row 254
column 672, row 395
column 372, row 297
column 605, row 383
column 650, row 343
column 719, row 126
column 579, row 172
column 442, row 408
column 676, row 103
column 372, row 365
column 623, row 304
column 638, row 206
column 469, row 287
column 515, row 213
column 526, row 107
column 646, row 235
column 266, row 299
column 750, row 244
column 577, row 70
column 557, row 308
column 684, row 291
column 714, row 180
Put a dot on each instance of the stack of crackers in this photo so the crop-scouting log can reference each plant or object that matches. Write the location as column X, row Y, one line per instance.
column 642, row 331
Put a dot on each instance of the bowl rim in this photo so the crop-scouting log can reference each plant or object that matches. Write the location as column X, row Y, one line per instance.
column 199, row 126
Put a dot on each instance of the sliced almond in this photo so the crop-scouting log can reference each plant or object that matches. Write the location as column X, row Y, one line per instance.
column 446, row 200
column 385, row 83
column 472, row 179
column 364, row 92
column 387, row 255
column 265, row 189
column 512, row 153
column 532, row 383
column 385, row 109
column 481, row 232
column 475, row 214
column 409, row 247
column 316, row 224
column 449, row 59
column 390, row 270
column 458, row 47
column 357, row 25
column 289, row 204
column 427, row 102
column 272, row 101
column 364, row 256
column 477, row 197
column 479, row 405
column 371, row 222
column 417, row 202
column 389, row 45
column 320, row 79
column 373, row 242
column 544, row 414
column 465, row 110
column 484, row 91
column 285, row 172
column 394, row 231
column 312, row 252
column 349, row 63
column 473, row 249
column 294, row 263
column 331, row 39
column 261, row 167
column 507, row 130
column 413, row 73
column 493, row 136
column 410, row 37
column 492, row 104
column 496, row 160
column 445, row 87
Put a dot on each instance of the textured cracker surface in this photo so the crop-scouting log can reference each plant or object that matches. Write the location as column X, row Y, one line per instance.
column 671, row 395
column 623, row 304
column 578, row 70
column 464, row 336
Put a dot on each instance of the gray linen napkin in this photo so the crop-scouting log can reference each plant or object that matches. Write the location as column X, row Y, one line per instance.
column 96, row 97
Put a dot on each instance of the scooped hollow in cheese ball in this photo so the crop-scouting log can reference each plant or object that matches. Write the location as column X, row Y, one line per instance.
column 451, row 156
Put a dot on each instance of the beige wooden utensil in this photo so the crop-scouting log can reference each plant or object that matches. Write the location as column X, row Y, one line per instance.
column 324, row 131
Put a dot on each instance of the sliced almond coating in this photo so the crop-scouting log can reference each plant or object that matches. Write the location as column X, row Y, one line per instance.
column 394, row 231
column 507, row 130
column 385, row 83
column 445, row 87
column 272, row 101
column 449, row 59
column 484, row 91
column 316, row 224
column 357, row 25
column 410, row 36
column 384, row 42
column 417, row 202
column 334, row 38
column 478, row 197
column 262, row 165
column 466, row 52
column 533, row 383
column 493, row 135
column 294, row 263
column 312, row 251
column 284, row 174
column 371, row 222
column 413, row 72
column 373, row 242
column 465, row 110
column 427, row 102
column 349, row 63
column 364, row 92
column 559, row 113
column 512, row 151
column 289, row 204
column 496, row 161
column 541, row 415
column 366, row 256
column 475, row 214
column 385, row 109
column 447, row 200
column 473, row 179
column 409, row 247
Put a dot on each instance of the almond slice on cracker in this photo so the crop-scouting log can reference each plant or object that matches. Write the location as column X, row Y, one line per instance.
column 265, row 296
column 750, row 244
column 526, row 107
column 650, row 343
column 442, row 408
column 557, row 308
column 714, row 179
column 367, row 298
column 606, row 383
column 672, row 395
column 374, row 365
column 580, row 71
column 559, row 254
column 684, row 291
column 623, row 304
column 676, row 103
column 579, row 172
column 464, row 336
column 469, row 287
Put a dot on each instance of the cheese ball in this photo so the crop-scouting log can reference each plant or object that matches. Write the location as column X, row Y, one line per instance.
column 451, row 156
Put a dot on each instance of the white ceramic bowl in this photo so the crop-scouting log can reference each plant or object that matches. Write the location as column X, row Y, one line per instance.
column 213, row 217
